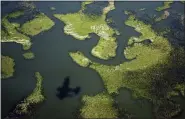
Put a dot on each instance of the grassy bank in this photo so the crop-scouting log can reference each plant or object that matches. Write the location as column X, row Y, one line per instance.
column 7, row 67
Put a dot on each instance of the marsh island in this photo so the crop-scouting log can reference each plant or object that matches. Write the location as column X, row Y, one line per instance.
column 7, row 66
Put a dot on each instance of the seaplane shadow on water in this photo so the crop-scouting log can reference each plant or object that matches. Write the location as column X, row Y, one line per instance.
column 65, row 91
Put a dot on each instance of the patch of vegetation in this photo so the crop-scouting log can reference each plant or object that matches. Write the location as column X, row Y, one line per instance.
column 142, row 9
column 166, row 5
column 181, row 88
column 29, row 55
column 15, row 14
column 37, row 25
column 167, row 110
column 27, row 5
column 182, row 1
column 80, row 25
column 16, row 25
column 109, row 7
column 151, row 72
column 105, row 49
column 99, row 106
column 10, row 33
column 86, row 2
column 52, row 8
column 80, row 59
column 143, row 56
column 163, row 16
column 7, row 67
column 36, row 97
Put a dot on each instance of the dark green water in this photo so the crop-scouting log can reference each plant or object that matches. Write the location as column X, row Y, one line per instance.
column 51, row 49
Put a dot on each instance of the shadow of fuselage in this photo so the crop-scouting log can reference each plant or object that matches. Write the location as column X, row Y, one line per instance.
column 65, row 91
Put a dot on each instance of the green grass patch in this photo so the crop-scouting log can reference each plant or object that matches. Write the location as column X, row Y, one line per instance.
column 52, row 8
column 7, row 67
column 80, row 59
column 105, row 49
column 166, row 5
column 37, row 25
column 16, row 25
column 80, row 25
column 163, row 16
column 34, row 98
column 99, row 106
column 151, row 71
column 181, row 88
column 15, row 14
column 10, row 33
column 29, row 55
column 86, row 2
column 155, row 82
column 109, row 7
column 143, row 56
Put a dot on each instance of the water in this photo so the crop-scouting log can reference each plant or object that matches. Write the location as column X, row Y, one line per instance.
column 52, row 60
column 140, row 108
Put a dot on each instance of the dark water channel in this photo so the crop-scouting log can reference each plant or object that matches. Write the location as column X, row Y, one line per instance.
column 52, row 60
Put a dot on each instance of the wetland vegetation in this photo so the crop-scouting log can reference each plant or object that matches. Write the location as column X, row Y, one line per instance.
column 153, row 70
column 9, row 31
column 52, row 8
column 80, row 59
column 29, row 55
column 36, row 97
column 37, row 25
column 147, row 73
column 166, row 5
column 7, row 67
column 14, row 32
column 163, row 16
column 81, row 24
column 98, row 106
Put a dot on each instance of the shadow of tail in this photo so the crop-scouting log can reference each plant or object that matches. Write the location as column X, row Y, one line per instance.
column 77, row 90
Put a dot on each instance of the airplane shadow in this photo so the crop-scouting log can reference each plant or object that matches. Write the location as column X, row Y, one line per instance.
column 64, row 90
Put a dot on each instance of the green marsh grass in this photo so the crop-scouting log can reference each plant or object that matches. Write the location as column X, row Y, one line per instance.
column 7, row 66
